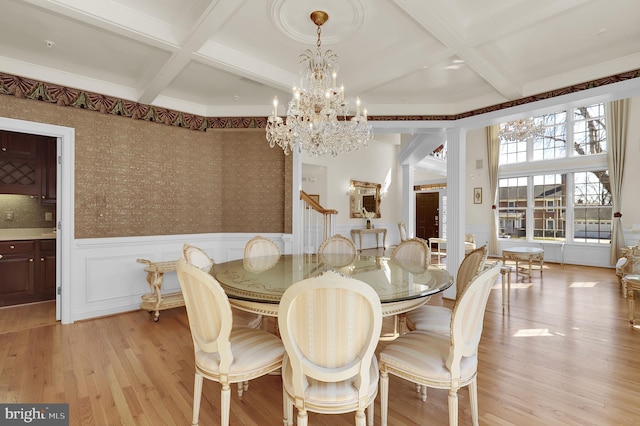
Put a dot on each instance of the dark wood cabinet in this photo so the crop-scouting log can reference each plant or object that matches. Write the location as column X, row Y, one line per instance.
column 16, row 145
column 19, row 164
column 49, row 166
column 17, row 272
column 28, row 165
column 47, row 269
column 27, row 271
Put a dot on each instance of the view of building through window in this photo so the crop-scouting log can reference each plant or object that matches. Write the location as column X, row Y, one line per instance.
column 557, row 187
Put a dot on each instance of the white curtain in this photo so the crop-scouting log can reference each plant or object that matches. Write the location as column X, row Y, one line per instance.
column 617, row 121
column 493, row 159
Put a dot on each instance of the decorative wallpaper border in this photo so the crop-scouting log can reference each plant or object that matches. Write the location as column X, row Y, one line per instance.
column 25, row 88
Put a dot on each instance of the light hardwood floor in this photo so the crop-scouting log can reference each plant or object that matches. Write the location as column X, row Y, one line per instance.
column 563, row 354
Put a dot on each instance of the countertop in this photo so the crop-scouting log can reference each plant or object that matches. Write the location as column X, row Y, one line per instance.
column 27, row 234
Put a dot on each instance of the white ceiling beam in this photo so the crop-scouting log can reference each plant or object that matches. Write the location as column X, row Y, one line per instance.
column 214, row 17
column 436, row 18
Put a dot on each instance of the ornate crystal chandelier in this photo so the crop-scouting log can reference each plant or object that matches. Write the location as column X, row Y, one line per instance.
column 313, row 112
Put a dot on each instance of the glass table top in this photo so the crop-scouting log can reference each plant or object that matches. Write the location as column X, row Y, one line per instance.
column 265, row 279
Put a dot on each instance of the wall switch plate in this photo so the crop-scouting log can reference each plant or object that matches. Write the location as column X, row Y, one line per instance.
column 48, row 216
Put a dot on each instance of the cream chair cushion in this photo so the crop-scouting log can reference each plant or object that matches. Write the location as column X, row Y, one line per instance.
column 261, row 246
column 415, row 250
column 197, row 257
column 330, row 326
column 337, row 244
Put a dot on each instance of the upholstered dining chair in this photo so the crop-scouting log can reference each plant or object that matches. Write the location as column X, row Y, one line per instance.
column 223, row 353
column 443, row 361
column 337, row 244
column 330, row 326
column 200, row 259
column 197, row 257
column 629, row 263
column 261, row 246
column 438, row 318
column 402, row 229
column 469, row 242
column 415, row 250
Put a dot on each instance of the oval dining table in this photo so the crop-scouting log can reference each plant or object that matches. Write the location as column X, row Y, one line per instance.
column 257, row 284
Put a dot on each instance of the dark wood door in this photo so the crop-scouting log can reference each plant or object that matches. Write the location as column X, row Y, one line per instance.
column 427, row 215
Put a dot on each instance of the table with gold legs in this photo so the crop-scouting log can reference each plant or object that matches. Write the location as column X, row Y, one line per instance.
column 524, row 254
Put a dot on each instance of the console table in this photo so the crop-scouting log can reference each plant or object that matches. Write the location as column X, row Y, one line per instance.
column 376, row 231
column 527, row 254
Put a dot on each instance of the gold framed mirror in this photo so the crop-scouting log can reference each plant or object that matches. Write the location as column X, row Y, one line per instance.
column 364, row 195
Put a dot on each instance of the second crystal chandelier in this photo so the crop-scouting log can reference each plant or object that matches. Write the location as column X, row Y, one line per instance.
column 313, row 113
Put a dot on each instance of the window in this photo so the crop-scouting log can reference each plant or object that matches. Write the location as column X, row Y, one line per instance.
column 589, row 136
column 548, row 191
column 551, row 224
column 550, row 142
column 512, row 207
column 592, row 207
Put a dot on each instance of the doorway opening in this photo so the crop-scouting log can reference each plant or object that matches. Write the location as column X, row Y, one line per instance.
column 64, row 148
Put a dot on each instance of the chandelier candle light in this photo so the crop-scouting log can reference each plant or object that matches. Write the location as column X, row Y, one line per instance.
column 312, row 115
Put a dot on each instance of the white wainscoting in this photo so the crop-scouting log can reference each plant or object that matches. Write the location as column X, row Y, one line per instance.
column 106, row 279
column 575, row 254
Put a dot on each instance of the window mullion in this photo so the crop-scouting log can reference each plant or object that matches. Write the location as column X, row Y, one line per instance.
column 569, row 131
column 530, row 209
column 570, row 188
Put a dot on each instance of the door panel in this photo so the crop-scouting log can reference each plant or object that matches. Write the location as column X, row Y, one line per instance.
column 427, row 215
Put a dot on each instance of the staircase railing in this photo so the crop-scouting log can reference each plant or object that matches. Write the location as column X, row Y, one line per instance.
column 319, row 223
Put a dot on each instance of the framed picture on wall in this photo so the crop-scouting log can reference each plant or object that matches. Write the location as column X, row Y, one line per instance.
column 477, row 195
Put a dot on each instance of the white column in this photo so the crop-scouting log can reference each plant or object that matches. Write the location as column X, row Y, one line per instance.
column 456, row 202
column 408, row 200
column 297, row 216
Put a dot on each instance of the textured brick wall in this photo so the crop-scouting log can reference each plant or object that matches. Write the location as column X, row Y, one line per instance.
column 136, row 178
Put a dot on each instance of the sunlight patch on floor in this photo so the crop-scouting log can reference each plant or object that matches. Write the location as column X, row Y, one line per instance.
column 533, row 332
column 583, row 284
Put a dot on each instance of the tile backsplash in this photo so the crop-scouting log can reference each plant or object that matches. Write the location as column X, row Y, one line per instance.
column 25, row 211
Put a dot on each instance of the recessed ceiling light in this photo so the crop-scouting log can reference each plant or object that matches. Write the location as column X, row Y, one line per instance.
column 49, row 43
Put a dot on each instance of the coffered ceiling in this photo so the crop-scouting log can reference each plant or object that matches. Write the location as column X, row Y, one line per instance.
column 402, row 57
